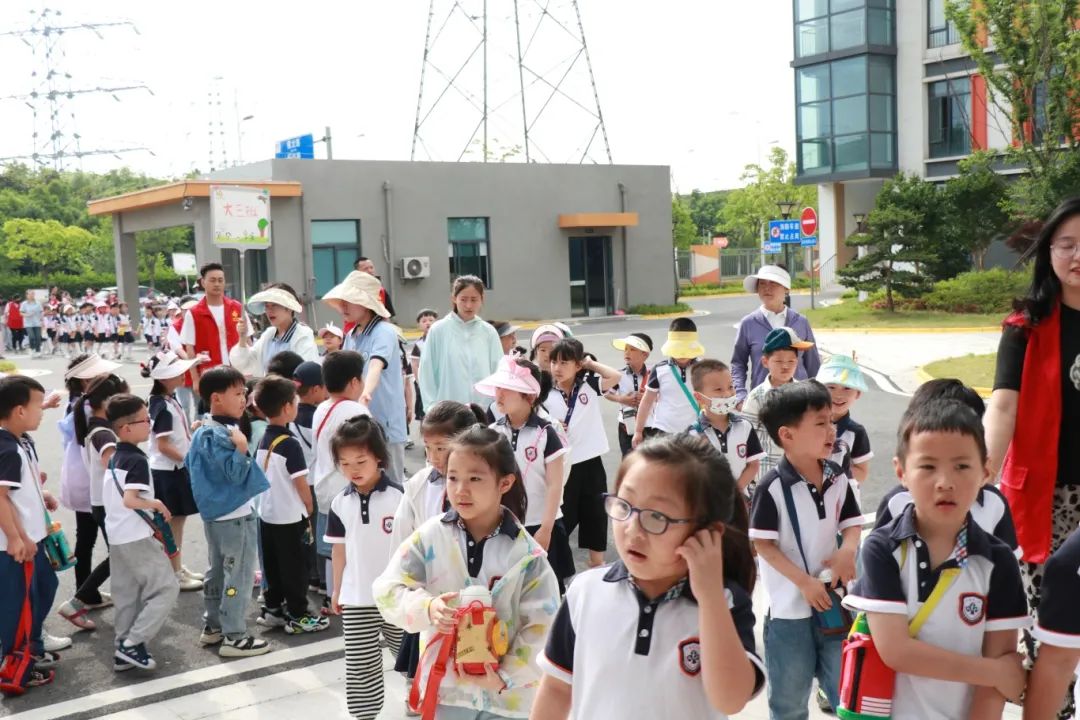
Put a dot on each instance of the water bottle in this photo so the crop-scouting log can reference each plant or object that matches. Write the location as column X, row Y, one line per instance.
column 866, row 682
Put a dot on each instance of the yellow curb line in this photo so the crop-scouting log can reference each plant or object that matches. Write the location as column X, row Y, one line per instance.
column 907, row 331
column 923, row 376
column 742, row 294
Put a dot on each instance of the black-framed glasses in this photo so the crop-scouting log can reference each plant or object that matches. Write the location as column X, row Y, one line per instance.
column 653, row 522
column 138, row 422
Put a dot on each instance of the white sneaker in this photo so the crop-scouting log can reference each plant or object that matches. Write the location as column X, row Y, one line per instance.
column 192, row 574
column 53, row 643
column 188, row 584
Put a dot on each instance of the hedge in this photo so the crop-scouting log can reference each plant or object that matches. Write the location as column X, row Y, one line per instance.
column 979, row 291
column 17, row 285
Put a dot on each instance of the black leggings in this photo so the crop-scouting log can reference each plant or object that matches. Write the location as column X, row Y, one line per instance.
column 89, row 581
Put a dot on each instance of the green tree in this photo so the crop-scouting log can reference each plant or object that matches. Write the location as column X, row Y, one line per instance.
column 750, row 208
column 47, row 246
column 707, row 210
column 683, row 231
column 973, row 206
column 155, row 246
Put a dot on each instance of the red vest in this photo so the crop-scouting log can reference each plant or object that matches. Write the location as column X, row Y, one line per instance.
column 1029, row 473
column 207, row 338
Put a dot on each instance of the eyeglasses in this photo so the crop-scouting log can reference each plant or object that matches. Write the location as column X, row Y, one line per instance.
column 138, row 422
column 653, row 522
column 1065, row 251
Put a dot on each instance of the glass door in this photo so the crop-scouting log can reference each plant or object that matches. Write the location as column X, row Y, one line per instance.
column 590, row 277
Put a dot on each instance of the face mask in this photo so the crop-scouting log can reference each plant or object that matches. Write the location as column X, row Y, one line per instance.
column 723, row 406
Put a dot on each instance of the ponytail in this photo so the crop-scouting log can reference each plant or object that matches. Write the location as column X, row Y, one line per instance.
column 98, row 391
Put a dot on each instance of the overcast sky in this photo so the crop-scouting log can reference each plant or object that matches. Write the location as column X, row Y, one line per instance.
column 701, row 85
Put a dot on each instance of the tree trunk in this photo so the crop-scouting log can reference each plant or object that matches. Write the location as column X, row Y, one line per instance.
column 888, row 290
column 980, row 259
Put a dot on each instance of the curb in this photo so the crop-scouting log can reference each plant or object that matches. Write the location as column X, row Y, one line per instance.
column 414, row 334
column 984, row 392
column 740, row 294
column 908, row 331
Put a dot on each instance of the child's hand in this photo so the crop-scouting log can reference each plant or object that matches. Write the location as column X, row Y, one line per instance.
column 160, row 507
column 489, row 681
column 814, row 592
column 1010, row 676
column 842, row 564
column 335, row 603
column 365, row 398
column 196, row 425
column 704, row 555
column 239, row 440
column 441, row 614
column 18, row 549
column 51, row 503
column 638, row 437
column 543, row 537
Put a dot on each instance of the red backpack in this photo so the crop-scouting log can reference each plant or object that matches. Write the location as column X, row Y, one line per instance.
column 18, row 663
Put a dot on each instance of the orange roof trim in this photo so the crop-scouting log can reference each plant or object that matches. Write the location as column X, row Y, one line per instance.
column 176, row 192
column 592, row 220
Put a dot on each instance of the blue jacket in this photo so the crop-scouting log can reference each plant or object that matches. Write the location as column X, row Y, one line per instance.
column 751, row 338
column 222, row 479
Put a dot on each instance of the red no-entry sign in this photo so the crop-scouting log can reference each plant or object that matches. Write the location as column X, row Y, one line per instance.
column 808, row 221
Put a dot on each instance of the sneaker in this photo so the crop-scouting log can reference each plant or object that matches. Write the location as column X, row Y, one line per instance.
column 46, row 660
column 192, row 574
column 186, row 583
column 106, row 601
column 210, row 636
column 306, row 624
column 409, row 712
column 136, row 655
column 40, row 677
column 245, row 646
column 823, row 703
column 120, row 665
column 53, row 643
column 76, row 613
column 271, row 618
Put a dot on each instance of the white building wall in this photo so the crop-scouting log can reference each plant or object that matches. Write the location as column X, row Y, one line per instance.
column 910, row 91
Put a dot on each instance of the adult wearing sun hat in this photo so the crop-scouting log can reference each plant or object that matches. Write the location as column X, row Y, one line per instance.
column 281, row 306
column 357, row 299
column 771, row 283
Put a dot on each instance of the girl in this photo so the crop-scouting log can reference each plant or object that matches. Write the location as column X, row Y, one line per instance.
column 332, row 336
column 281, row 305
column 581, row 382
column 102, row 328
column 50, row 322
column 478, row 542
column 543, row 338
column 114, row 330
column 125, row 331
column 148, row 321
column 69, row 330
column 461, row 349
column 668, row 630
column 359, row 527
column 170, row 439
column 519, row 389
column 86, row 327
column 95, row 436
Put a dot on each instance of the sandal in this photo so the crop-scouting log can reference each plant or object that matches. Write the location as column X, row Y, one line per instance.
column 76, row 616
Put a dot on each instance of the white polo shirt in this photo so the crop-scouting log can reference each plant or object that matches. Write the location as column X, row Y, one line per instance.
column 281, row 504
column 990, row 511
column 487, row 559
column 739, row 444
column 168, row 420
column 364, row 524
column 99, row 438
column 673, row 412
column 20, row 474
column 1059, row 621
column 328, row 417
column 303, row 431
column 579, row 413
column 821, row 515
column 630, row 657
column 986, row 596
column 535, row 445
column 631, row 382
column 132, row 469
column 852, row 446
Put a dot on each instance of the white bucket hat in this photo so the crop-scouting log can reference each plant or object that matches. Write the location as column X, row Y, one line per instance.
column 509, row 376
column 357, row 288
column 170, row 365
column 767, row 272
column 279, row 296
column 90, row 368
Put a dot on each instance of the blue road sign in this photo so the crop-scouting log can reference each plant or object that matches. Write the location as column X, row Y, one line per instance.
column 301, row 147
column 809, row 241
column 771, row 248
column 785, row 231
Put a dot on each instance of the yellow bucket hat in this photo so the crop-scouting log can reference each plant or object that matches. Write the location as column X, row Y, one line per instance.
column 682, row 345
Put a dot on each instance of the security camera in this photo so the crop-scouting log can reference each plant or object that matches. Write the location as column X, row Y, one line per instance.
column 188, row 203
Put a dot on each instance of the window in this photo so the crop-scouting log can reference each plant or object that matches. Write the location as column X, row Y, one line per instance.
column 823, row 26
column 940, row 31
column 949, row 121
column 335, row 247
column 469, row 248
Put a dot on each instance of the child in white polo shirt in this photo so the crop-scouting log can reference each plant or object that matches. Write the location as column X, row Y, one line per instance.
column 631, row 388
column 1058, row 633
column 725, row 430
column 663, row 632
column 668, row 405
column 846, row 384
column 960, row 661
column 799, row 507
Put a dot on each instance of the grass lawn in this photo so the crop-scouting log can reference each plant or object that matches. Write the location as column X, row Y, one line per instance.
column 855, row 315
column 973, row 370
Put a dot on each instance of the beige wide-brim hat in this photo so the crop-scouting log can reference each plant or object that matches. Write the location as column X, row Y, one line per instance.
column 91, row 367
column 257, row 302
column 357, row 288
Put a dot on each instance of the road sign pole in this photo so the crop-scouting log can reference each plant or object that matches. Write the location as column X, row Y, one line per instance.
column 813, row 272
column 790, row 269
column 243, row 293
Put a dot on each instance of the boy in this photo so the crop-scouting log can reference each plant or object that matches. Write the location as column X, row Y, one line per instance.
column 668, row 405
column 308, row 377
column 780, row 355
column 343, row 376
column 22, row 523
column 144, row 585
column 225, row 485
column 424, row 320
column 628, row 393
column 960, row 661
column 729, row 433
column 798, row 509
column 846, row 384
column 283, row 513
column 1058, row 632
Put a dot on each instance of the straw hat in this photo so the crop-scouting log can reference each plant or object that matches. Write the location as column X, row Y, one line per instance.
column 842, row 370
column 682, row 345
column 509, row 376
column 90, row 368
column 357, row 288
column 767, row 272
column 171, row 365
column 279, row 296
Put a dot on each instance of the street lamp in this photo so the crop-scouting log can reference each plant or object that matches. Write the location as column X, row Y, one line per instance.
column 240, row 138
column 860, row 218
column 786, row 208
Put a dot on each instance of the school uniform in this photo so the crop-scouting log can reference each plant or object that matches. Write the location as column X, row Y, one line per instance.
column 738, row 444
column 751, row 410
column 328, row 417
column 852, row 447
column 364, row 524
column 20, row 474
column 99, row 439
column 103, row 328
column 442, row 557
column 172, row 484
column 301, row 430
column 1059, row 622
column 630, row 382
column 674, row 410
column 124, row 329
column 800, row 651
column 990, row 510
column 283, row 523
column 986, row 596
column 583, row 501
column 628, row 656
column 536, row 444
column 144, row 587
column 69, row 329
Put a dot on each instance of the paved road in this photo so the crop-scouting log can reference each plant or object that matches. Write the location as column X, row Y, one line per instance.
column 86, row 668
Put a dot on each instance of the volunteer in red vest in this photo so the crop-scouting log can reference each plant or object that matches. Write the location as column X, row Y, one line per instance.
column 1033, row 419
column 210, row 325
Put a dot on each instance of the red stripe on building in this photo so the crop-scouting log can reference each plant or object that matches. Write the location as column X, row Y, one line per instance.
column 979, row 112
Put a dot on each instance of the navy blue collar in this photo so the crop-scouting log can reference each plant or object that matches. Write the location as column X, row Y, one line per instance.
column 903, row 528
column 384, row 483
column 435, row 476
column 287, row 337
column 790, row 476
column 129, row 448
column 533, row 420
column 619, row 573
column 508, row 526
column 7, row 435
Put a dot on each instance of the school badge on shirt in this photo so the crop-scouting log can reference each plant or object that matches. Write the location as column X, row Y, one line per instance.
column 972, row 608
column 690, row 656
column 530, row 454
column 388, row 524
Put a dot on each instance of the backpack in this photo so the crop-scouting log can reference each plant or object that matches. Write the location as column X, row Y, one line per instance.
column 18, row 663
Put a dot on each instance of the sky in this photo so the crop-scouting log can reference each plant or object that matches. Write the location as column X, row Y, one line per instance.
column 704, row 86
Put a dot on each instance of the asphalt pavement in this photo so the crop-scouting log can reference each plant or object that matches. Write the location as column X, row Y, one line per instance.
column 86, row 668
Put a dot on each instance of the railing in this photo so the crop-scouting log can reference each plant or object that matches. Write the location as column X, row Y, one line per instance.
column 826, row 273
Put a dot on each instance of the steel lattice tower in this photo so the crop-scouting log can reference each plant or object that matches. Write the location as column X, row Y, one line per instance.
column 512, row 78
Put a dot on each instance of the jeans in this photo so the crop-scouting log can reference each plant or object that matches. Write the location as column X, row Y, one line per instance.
column 231, row 550
column 35, row 337
column 796, row 651
column 13, row 594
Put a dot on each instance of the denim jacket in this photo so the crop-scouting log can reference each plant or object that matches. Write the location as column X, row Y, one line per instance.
column 222, row 478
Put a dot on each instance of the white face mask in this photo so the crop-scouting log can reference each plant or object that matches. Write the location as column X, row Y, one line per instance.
column 723, row 406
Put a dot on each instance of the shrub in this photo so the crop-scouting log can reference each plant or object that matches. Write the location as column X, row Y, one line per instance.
column 660, row 309
column 12, row 285
column 987, row 291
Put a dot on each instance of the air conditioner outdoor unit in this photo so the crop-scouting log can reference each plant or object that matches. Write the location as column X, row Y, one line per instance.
column 414, row 268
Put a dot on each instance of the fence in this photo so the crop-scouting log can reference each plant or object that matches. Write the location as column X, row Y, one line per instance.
column 737, row 263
